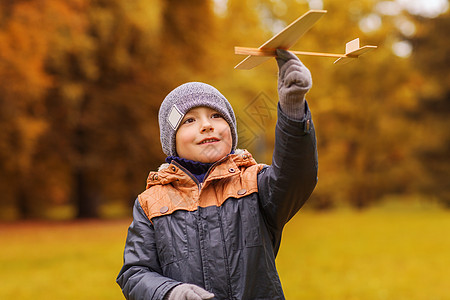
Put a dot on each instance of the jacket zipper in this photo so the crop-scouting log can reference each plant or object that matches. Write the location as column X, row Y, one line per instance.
column 212, row 167
column 199, row 184
column 199, row 224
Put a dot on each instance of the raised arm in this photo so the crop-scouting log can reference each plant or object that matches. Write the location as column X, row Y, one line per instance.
column 287, row 183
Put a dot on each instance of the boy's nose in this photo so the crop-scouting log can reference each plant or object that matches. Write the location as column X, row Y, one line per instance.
column 206, row 126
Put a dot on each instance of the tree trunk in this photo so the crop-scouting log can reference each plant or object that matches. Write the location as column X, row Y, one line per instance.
column 85, row 200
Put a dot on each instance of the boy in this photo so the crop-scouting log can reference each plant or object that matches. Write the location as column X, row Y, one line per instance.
column 209, row 224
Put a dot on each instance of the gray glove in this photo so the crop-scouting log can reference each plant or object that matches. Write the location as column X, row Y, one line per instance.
column 294, row 81
column 187, row 291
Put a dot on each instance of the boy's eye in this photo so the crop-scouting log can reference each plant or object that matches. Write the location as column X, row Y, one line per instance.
column 216, row 115
column 188, row 120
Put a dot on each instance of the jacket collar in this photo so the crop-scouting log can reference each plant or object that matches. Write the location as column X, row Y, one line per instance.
column 227, row 166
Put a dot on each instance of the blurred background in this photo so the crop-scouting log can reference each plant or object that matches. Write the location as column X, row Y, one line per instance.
column 81, row 82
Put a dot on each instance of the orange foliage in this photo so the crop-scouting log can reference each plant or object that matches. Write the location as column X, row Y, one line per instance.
column 81, row 82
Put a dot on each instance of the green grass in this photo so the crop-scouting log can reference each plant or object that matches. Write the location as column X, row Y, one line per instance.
column 370, row 255
column 61, row 260
column 376, row 254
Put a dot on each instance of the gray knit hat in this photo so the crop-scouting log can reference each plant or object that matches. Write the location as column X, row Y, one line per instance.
column 185, row 97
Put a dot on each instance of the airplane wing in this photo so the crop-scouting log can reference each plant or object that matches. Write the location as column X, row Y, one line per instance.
column 284, row 39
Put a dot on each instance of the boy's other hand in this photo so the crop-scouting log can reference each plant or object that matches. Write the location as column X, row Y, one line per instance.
column 294, row 81
column 188, row 292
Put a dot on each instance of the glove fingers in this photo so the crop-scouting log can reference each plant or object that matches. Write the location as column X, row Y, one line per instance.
column 293, row 67
column 202, row 293
column 191, row 295
column 286, row 59
column 284, row 55
column 298, row 78
column 187, row 291
column 294, row 81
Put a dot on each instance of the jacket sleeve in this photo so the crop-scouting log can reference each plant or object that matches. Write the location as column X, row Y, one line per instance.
column 140, row 276
column 287, row 183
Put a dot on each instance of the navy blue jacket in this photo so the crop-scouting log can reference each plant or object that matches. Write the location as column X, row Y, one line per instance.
column 224, row 234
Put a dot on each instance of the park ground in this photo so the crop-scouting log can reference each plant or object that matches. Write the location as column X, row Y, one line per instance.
column 390, row 252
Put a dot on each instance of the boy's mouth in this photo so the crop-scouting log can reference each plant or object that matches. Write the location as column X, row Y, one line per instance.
column 209, row 140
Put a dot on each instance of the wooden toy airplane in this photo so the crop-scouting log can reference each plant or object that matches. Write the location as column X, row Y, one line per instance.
column 288, row 36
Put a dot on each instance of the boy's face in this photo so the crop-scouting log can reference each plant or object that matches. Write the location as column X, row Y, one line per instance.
column 203, row 136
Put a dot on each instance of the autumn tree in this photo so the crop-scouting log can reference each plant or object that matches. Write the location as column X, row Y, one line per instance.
column 366, row 141
column 24, row 83
column 82, row 81
column 106, row 102
column 430, row 57
column 95, row 73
